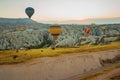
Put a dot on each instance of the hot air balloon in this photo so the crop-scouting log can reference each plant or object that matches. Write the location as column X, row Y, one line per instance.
column 55, row 31
column 87, row 30
column 29, row 11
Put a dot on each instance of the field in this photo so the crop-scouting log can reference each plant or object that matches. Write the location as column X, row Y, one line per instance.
column 18, row 56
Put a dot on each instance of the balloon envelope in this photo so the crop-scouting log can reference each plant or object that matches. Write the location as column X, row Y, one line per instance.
column 87, row 30
column 29, row 11
column 55, row 31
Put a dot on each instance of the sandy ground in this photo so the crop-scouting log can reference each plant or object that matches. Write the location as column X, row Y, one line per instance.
column 61, row 67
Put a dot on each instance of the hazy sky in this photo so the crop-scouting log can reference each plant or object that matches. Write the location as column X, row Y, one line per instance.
column 51, row 10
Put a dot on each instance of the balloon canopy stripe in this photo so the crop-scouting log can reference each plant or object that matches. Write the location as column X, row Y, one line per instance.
column 55, row 34
column 55, row 31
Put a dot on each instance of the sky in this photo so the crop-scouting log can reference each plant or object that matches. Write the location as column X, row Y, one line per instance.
column 60, row 10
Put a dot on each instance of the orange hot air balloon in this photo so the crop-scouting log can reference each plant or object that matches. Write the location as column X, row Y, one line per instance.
column 55, row 31
column 87, row 30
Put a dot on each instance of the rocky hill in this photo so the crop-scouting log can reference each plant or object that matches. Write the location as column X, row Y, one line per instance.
column 26, row 33
column 12, row 24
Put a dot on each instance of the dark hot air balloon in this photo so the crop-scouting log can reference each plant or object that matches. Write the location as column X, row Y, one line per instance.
column 29, row 11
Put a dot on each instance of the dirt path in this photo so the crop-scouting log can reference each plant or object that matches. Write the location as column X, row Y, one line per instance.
column 103, row 73
column 55, row 68
column 109, row 75
column 108, row 72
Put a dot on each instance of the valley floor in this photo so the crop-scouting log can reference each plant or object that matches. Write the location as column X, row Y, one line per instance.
column 63, row 67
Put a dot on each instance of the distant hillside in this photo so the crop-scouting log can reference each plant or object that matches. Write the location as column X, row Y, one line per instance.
column 104, row 21
column 17, row 20
column 90, row 20
column 13, row 23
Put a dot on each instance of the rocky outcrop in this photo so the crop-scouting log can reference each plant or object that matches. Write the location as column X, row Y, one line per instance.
column 26, row 33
